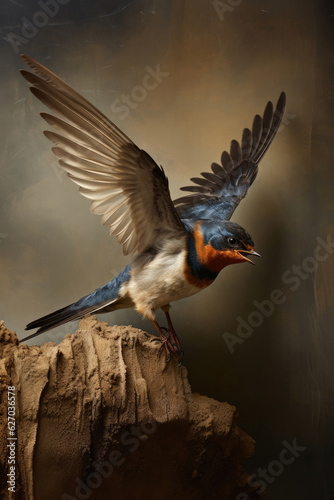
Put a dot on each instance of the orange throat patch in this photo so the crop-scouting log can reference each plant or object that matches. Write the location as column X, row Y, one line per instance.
column 215, row 260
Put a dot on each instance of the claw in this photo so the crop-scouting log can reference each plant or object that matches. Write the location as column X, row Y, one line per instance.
column 170, row 343
column 165, row 332
column 172, row 349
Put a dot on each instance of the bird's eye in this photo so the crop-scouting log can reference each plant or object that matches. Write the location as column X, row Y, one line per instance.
column 232, row 241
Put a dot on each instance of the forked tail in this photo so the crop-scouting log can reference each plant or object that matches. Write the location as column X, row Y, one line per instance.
column 102, row 299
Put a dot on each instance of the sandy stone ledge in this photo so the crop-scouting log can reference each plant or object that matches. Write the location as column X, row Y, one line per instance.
column 102, row 416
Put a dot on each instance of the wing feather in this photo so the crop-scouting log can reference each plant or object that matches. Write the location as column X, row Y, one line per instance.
column 246, row 143
column 216, row 195
column 126, row 187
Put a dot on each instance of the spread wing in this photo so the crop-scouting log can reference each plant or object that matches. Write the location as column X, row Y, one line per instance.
column 217, row 194
column 127, row 188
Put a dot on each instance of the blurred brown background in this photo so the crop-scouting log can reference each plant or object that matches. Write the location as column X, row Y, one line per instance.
column 221, row 62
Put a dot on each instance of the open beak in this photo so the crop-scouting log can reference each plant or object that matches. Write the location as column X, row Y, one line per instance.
column 248, row 252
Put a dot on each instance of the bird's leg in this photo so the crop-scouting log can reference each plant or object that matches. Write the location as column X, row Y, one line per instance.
column 163, row 339
column 173, row 337
column 167, row 344
column 171, row 332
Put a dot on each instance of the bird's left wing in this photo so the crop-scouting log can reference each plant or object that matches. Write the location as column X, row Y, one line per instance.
column 127, row 188
column 217, row 194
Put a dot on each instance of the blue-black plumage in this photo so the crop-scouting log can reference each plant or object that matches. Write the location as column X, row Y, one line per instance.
column 103, row 299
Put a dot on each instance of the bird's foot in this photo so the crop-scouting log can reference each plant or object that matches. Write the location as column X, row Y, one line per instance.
column 171, row 344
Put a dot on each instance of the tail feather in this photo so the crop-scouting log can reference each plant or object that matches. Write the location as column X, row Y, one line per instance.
column 102, row 298
column 45, row 319
column 61, row 317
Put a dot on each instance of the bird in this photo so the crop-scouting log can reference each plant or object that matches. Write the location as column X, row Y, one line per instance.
column 177, row 248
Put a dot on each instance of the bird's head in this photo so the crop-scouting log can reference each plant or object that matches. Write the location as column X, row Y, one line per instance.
column 219, row 244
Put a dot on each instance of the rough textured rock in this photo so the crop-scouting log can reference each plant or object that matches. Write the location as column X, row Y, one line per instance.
column 102, row 416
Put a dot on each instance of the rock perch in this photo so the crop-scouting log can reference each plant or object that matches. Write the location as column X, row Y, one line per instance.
column 102, row 416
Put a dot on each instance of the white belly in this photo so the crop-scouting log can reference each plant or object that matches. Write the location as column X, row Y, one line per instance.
column 159, row 283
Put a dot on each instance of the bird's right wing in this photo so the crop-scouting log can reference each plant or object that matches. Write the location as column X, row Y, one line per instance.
column 127, row 188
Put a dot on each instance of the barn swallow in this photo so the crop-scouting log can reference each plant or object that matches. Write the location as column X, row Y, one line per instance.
column 178, row 247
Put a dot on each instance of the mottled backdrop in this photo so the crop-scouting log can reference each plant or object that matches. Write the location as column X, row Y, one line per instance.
column 216, row 63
